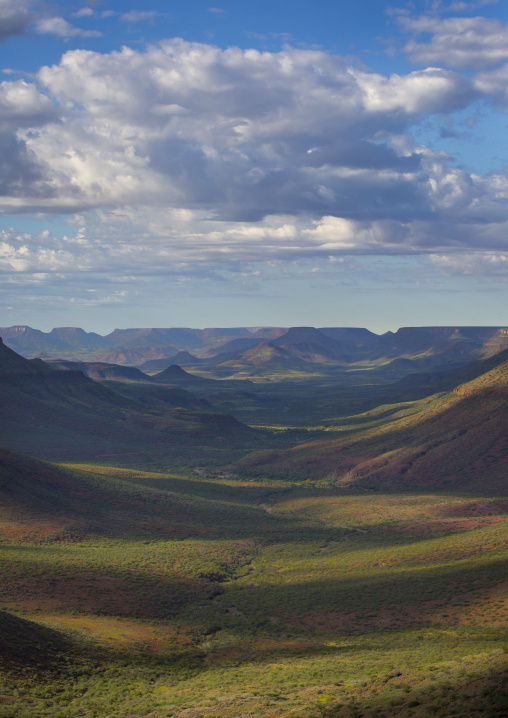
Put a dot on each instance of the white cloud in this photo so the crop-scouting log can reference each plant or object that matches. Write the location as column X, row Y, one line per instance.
column 22, row 105
column 459, row 43
column 62, row 28
column 84, row 12
column 494, row 84
column 240, row 134
column 187, row 159
column 437, row 6
column 424, row 91
column 487, row 264
column 16, row 16
column 138, row 15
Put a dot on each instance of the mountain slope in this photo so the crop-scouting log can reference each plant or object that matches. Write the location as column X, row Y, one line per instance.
column 26, row 645
column 309, row 344
column 456, row 440
column 41, row 502
column 63, row 341
column 167, row 397
column 436, row 381
column 134, row 357
column 231, row 348
column 64, row 415
column 264, row 355
column 100, row 371
column 174, row 374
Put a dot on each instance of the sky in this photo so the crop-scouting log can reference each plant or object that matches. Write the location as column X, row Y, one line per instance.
column 253, row 164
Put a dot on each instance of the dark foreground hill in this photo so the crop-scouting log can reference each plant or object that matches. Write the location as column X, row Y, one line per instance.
column 40, row 501
column 454, row 440
column 43, row 502
column 61, row 415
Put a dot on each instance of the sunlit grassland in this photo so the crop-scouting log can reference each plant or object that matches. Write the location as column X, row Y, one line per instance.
column 291, row 601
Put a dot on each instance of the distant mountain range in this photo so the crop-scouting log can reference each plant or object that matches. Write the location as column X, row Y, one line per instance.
column 123, row 346
column 244, row 348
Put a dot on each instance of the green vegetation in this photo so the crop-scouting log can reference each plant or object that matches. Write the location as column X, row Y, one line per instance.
column 230, row 598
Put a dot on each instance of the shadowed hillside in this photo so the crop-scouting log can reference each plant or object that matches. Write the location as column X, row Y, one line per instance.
column 60, row 415
column 28, row 645
column 41, row 502
column 99, row 371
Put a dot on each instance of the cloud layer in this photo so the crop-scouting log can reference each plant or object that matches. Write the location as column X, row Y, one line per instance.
column 186, row 158
column 461, row 43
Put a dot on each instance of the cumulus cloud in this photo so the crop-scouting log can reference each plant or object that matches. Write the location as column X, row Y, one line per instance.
column 240, row 134
column 185, row 157
column 161, row 242
column 22, row 106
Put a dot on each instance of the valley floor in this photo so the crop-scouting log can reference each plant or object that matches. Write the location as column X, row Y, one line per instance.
column 233, row 598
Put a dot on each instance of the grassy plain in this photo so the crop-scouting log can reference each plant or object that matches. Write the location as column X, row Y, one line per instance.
column 257, row 598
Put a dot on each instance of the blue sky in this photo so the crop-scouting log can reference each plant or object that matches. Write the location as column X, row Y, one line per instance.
column 276, row 163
